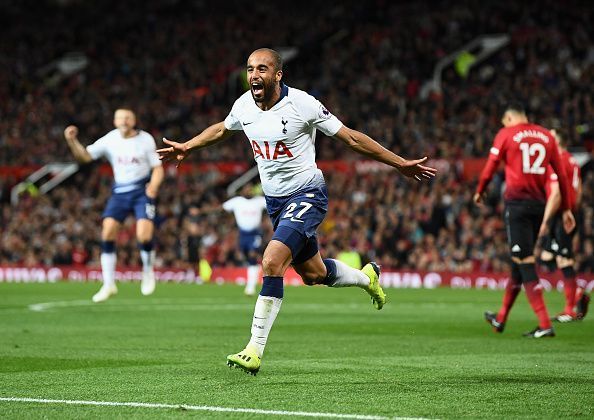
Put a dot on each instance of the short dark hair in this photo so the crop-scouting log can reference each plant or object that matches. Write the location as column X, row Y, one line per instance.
column 276, row 58
column 515, row 106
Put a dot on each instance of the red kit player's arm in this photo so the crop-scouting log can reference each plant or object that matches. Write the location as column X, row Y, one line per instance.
column 495, row 154
column 487, row 173
column 562, row 177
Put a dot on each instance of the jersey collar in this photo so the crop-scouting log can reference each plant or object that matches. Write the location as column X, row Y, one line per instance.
column 284, row 92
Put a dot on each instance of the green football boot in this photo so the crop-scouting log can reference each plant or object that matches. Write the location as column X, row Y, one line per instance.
column 247, row 360
column 378, row 297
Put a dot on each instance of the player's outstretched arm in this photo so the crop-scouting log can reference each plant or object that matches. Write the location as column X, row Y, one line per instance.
column 365, row 145
column 177, row 152
column 78, row 150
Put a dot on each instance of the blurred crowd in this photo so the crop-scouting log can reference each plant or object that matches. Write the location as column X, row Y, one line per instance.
column 178, row 65
column 381, row 216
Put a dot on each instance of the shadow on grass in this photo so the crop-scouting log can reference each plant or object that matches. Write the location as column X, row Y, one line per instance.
column 520, row 380
column 39, row 364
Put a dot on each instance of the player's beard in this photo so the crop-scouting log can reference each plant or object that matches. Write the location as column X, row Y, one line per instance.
column 267, row 91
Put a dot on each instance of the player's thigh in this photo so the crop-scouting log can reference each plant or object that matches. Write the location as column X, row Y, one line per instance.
column 522, row 220
column 144, row 230
column 118, row 207
column 277, row 258
column 312, row 271
column 109, row 229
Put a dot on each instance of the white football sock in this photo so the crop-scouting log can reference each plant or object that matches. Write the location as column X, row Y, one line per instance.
column 148, row 260
column 108, row 266
column 253, row 272
column 347, row 276
column 265, row 313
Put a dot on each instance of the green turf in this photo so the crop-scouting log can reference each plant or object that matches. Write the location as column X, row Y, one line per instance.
column 428, row 353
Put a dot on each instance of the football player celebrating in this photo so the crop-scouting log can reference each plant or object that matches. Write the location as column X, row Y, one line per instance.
column 280, row 123
column 138, row 173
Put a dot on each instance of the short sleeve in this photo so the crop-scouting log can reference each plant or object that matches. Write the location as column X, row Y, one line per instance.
column 499, row 144
column 230, row 204
column 317, row 115
column 232, row 121
column 98, row 149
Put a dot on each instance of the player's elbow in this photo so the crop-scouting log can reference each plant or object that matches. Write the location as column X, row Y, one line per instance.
column 83, row 159
column 352, row 138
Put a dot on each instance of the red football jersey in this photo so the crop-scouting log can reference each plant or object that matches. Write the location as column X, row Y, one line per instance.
column 526, row 149
column 572, row 172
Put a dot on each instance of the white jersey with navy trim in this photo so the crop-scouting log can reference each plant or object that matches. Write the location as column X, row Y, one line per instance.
column 283, row 138
column 247, row 211
column 132, row 159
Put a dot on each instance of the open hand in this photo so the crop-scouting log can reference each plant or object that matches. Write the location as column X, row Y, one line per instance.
column 176, row 152
column 414, row 169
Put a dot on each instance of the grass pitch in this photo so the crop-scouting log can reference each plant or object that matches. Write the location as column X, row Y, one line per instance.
column 428, row 353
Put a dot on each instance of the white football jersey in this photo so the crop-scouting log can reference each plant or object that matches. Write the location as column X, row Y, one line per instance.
column 283, row 138
column 132, row 159
column 247, row 211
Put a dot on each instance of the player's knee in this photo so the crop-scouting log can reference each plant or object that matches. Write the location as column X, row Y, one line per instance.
column 311, row 275
column 144, row 237
column 516, row 275
column 272, row 266
column 528, row 272
column 109, row 229
column 311, row 278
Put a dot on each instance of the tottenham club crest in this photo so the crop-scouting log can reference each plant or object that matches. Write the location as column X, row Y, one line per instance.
column 284, row 123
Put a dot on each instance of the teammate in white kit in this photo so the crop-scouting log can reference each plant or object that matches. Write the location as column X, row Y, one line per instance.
column 248, row 216
column 280, row 124
column 138, row 174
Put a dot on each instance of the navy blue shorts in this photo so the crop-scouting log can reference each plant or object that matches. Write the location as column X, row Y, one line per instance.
column 250, row 242
column 296, row 218
column 119, row 206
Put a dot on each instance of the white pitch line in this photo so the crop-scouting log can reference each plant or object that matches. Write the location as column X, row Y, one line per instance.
column 40, row 307
column 155, row 304
column 205, row 408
